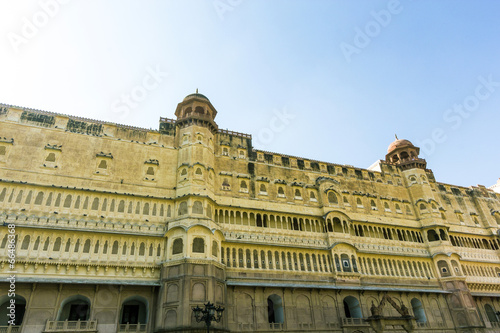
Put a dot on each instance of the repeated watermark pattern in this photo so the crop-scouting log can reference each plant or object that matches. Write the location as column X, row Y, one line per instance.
column 30, row 27
column 128, row 101
column 371, row 30
column 223, row 6
column 277, row 124
column 456, row 115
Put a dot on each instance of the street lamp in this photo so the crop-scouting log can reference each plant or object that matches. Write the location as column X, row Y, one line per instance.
column 209, row 314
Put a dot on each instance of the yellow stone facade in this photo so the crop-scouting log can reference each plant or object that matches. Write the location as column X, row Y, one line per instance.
column 124, row 229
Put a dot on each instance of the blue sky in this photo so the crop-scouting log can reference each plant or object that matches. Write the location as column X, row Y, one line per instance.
column 347, row 75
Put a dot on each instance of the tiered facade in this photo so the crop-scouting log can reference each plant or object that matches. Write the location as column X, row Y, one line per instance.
column 123, row 229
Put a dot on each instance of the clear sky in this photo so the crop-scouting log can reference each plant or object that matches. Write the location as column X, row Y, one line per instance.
column 325, row 80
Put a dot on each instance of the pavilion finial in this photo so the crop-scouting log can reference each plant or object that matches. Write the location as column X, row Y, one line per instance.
column 394, row 134
column 196, row 90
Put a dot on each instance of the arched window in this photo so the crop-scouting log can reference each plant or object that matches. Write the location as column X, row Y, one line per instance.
column 114, row 250
column 432, row 236
column 134, row 311
column 178, row 246
column 215, row 249
column 57, row 245
column 443, row 268
column 456, row 267
column 418, row 311
column 26, row 242
column 198, row 245
column 337, row 225
column 275, row 310
column 346, row 266
column 298, row 194
column 184, row 172
column 442, row 234
column 281, row 192
column 95, row 204
column 67, row 201
column 121, row 206
column 150, row 171
column 352, row 308
column 183, row 208
column 312, row 196
column 332, row 198
column 262, row 189
column 86, row 246
column 74, row 308
column 39, row 198
column 198, row 171
column 197, row 207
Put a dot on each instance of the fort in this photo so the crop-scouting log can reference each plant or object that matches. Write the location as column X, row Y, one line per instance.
column 124, row 229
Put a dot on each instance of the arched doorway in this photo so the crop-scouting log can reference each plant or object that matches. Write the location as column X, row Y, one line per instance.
column 418, row 311
column 134, row 311
column 492, row 317
column 275, row 309
column 352, row 308
column 20, row 308
column 74, row 308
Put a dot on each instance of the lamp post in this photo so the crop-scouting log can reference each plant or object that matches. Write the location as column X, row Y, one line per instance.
column 209, row 314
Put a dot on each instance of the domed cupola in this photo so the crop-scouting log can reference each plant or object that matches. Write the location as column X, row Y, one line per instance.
column 196, row 109
column 404, row 154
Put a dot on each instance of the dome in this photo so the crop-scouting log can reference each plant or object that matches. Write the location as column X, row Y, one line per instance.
column 399, row 144
column 196, row 95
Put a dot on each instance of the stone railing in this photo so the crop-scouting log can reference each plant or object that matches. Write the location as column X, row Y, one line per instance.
column 10, row 329
column 132, row 327
column 245, row 327
column 315, row 239
column 123, row 226
column 483, row 279
column 354, row 322
column 478, row 254
column 390, row 246
column 495, row 324
column 71, row 326
column 276, row 326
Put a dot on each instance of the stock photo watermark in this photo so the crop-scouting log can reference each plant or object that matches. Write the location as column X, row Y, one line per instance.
column 223, row 6
column 129, row 101
column 31, row 26
column 459, row 112
column 277, row 124
column 372, row 29
column 11, row 279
